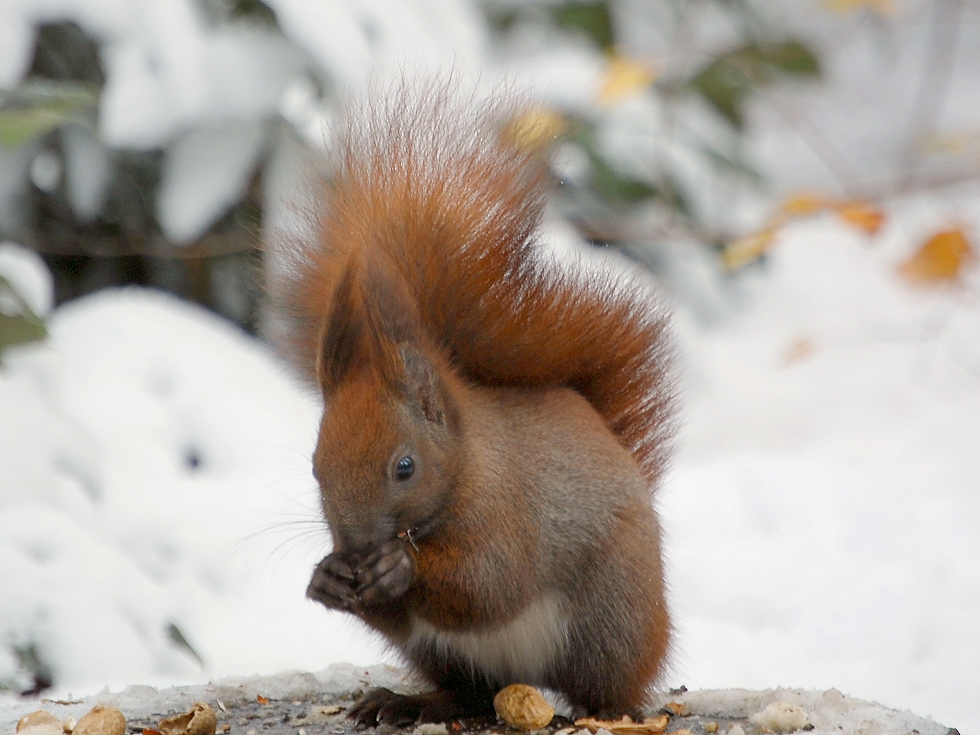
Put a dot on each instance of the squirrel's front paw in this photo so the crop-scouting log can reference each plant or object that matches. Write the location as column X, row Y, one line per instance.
column 333, row 582
column 385, row 575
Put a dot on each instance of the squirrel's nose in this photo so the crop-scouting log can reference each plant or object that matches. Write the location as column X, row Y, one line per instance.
column 365, row 536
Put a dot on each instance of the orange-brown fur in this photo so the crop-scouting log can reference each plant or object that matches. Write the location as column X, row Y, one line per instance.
column 534, row 398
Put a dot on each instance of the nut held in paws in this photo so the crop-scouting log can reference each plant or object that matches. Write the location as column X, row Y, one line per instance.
column 523, row 707
column 101, row 720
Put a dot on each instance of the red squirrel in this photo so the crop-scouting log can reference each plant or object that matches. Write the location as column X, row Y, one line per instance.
column 495, row 421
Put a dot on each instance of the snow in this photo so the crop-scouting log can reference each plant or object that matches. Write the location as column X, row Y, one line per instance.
column 820, row 512
column 25, row 271
column 205, row 173
column 87, row 171
column 155, row 473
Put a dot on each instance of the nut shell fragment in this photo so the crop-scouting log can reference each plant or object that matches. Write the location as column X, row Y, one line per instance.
column 101, row 720
column 523, row 707
column 626, row 726
column 38, row 718
column 198, row 720
column 43, row 729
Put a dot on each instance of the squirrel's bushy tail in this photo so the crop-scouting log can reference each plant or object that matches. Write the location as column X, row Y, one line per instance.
column 429, row 187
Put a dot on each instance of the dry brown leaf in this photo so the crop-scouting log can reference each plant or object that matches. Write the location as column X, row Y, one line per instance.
column 863, row 215
column 198, row 720
column 941, row 259
column 101, row 720
column 523, row 707
column 626, row 726
column 624, row 77
column 744, row 250
column 262, row 700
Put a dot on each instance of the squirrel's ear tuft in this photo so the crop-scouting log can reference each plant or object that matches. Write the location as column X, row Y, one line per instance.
column 342, row 342
column 422, row 386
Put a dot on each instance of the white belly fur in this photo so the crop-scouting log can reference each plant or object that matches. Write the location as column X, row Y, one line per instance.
column 520, row 651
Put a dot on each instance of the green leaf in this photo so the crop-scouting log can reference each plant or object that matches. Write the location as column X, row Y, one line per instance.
column 725, row 88
column 726, row 82
column 791, row 57
column 39, row 106
column 22, row 126
column 590, row 18
column 255, row 10
column 21, row 327
column 616, row 188
column 608, row 183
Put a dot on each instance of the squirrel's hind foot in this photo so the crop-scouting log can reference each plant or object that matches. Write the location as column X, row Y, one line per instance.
column 382, row 706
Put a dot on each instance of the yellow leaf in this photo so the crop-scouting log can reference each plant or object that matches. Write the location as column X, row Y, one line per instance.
column 862, row 215
column 940, row 259
column 744, row 250
column 884, row 8
column 801, row 205
column 535, row 128
column 623, row 78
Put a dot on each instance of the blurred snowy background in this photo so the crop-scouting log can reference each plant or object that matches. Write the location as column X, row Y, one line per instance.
column 803, row 177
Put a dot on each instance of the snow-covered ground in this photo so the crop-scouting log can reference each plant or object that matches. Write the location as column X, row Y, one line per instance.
column 821, row 512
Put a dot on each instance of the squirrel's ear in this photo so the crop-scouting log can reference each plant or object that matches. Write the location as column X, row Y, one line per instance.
column 422, row 384
column 342, row 343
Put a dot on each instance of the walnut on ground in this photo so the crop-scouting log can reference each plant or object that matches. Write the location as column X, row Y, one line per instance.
column 523, row 707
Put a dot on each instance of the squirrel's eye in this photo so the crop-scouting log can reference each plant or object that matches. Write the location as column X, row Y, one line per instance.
column 404, row 468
